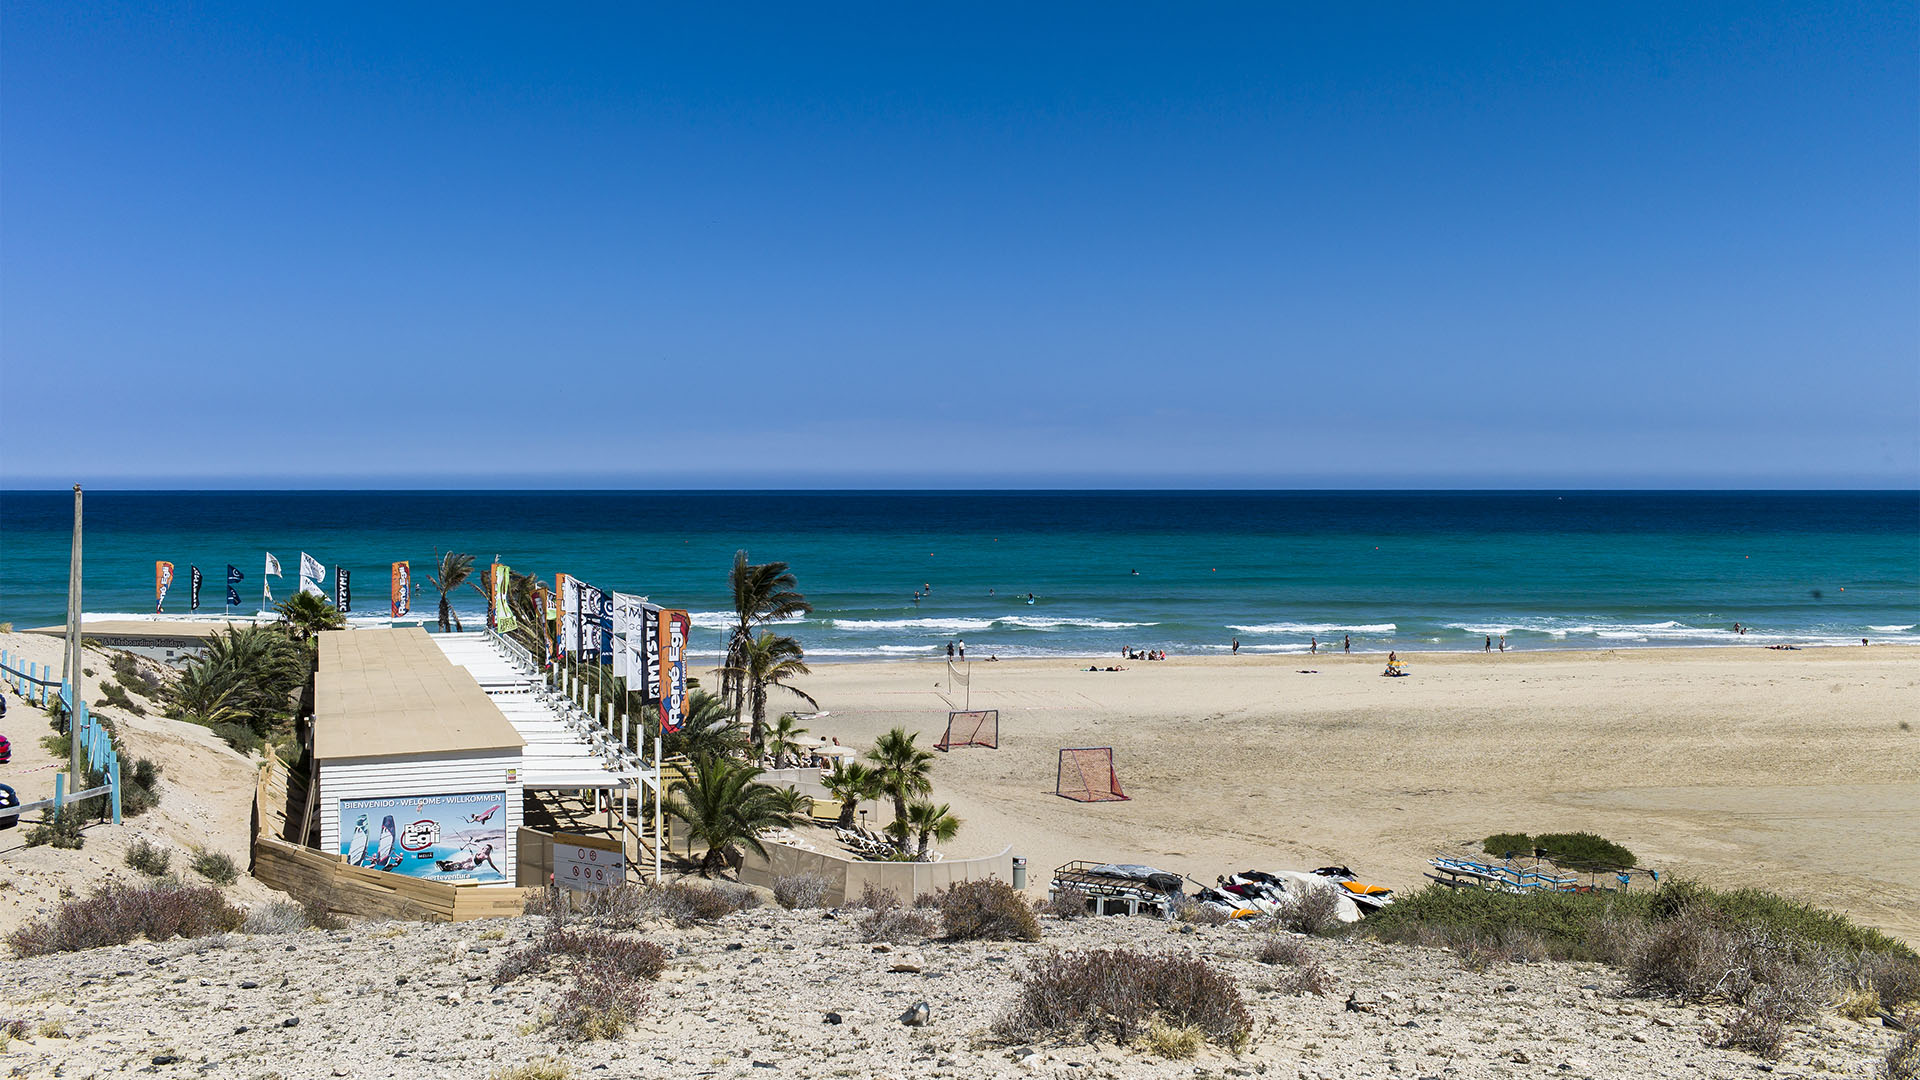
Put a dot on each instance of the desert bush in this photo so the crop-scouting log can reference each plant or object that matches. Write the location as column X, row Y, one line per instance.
column 688, row 904
column 599, row 1003
column 1509, row 945
column 1506, row 844
column 1192, row 911
column 875, row 898
column 1752, row 1029
column 278, row 917
column 239, row 736
column 116, row 915
column 1066, row 904
column 793, row 891
column 148, row 858
column 1316, row 912
column 1169, row 1041
column 987, row 910
column 1894, row 978
column 1282, row 949
column 216, row 867
column 114, row 694
column 897, row 924
column 1584, row 851
column 61, row 832
column 1302, row 971
column 1119, row 993
column 629, row 958
column 1903, row 1057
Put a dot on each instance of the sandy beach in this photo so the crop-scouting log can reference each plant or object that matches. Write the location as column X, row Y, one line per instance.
column 1786, row 770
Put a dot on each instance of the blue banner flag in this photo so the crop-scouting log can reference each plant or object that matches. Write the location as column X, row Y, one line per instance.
column 234, row 576
column 233, row 596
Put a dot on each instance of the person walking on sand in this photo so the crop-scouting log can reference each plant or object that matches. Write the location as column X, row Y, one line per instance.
column 963, row 650
column 1503, row 643
column 1315, row 647
column 1236, row 646
column 1489, row 647
column 1347, row 645
column 949, row 650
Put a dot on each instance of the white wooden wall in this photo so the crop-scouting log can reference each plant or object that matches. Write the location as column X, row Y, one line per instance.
column 420, row 774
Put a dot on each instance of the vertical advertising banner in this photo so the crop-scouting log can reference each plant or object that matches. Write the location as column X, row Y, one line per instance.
column 436, row 837
column 650, row 654
column 629, row 638
column 502, row 608
column 162, row 581
column 342, row 592
column 603, row 625
column 673, row 669
column 193, row 587
column 400, row 594
column 568, row 597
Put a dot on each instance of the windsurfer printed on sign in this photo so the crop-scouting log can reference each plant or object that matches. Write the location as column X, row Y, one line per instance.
column 673, row 669
column 400, row 593
column 451, row 838
column 162, row 581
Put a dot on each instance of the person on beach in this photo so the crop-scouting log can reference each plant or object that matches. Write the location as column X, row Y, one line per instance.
column 1236, row 646
column 1347, row 645
column 963, row 650
column 949, row 650
column 1489, row 647
column 1503, row 643
column 1315, row 647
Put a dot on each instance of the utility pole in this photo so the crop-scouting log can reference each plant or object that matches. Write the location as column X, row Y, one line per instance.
column 75, row 672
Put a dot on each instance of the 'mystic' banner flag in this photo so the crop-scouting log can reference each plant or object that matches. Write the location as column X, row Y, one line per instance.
column 673, row 669
column 342, row 592
column 402, row 592
column 162, row 581
column 650, row 654
column 193, row 588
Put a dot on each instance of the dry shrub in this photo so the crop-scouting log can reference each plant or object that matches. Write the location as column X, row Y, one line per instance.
column 875, row 898
column 987, row 910
column 1691, row 957
column 1066, row 904
column 1893, row 977
column 1303, row 974
column 1169, row 1041
column 116, row 915
column 629, row 958
column 1281, row 949
column 599, row 1003
column 279, row 917
column 897, row 924
column 1317, row 912
column 792, row 891
column 150, row 859
column 544, row 1069
column 1191, row 911
column 626, row 907
column 1510, row 945
column 1903, row 1058
column 1753, row 1029
column 216, row 867
column 1118, row 993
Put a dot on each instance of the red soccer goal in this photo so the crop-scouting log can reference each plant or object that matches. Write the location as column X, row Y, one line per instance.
column 976, row 728
column 1086, row 775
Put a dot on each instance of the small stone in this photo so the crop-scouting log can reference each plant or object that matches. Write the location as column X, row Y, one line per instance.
column 249, row 984
column 906, row 967
column 734, row 946
column 1519, row 1057
column 1021, row 1053
column 166, row 1059
column 400, row 980
column 479, row 949
column 835, row 1018
column 919, row 1016
column 291, row 1021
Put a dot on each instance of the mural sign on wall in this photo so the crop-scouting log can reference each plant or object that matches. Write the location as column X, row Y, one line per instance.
column 436, row 837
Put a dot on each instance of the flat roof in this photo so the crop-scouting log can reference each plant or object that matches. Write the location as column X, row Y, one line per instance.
column 145, row 629
column 393, row 693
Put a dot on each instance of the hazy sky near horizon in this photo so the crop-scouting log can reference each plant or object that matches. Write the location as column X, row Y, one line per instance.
column 900, row 245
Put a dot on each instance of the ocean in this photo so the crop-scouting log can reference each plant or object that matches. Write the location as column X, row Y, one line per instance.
column 1188, row 572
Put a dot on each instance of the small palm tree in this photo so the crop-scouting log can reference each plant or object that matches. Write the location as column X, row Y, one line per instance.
column 792, row 803
column 769, row 661
column 761, row 593
column 930, row 822
column 453, row 571
column 709, row 730
column 905, row 770
column 724, row 807
column 850, row 782
column 307, row 614
column 783, row 741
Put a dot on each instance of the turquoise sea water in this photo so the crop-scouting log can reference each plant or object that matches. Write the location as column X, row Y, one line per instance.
column 1184, row 571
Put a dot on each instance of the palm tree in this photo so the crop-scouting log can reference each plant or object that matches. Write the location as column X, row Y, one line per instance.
column 454, row 570
column 709, row 729
column 724, row 807
column 761, row 593
column 905, row 770
column 792, row 803
column 306, row 614
column 930, row 822
column 850, row 782
column 248, row 674
column 784, row 740
column 767, row 662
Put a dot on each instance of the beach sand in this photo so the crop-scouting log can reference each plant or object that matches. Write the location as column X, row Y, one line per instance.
column 1789, row 771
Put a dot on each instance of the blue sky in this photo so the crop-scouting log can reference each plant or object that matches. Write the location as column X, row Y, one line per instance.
column 900, row 245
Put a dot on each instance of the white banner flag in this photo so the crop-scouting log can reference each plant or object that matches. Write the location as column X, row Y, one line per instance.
column 273, row 565
column 570, row 617
column 310, row 567
column 629, row 623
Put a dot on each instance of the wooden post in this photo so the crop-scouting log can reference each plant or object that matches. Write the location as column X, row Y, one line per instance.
column 74, row 659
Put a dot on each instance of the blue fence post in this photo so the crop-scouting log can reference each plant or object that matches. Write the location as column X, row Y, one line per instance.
column 113, row 774
column 59, row 794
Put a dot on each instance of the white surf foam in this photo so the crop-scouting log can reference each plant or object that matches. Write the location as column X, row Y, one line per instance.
column 1315, row 628
column 1028, row 622
column 941, row 626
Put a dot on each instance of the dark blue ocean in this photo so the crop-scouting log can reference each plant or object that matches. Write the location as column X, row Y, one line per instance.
column 1183, row 571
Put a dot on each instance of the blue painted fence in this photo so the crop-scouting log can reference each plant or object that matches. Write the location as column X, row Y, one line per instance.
column 35, row 685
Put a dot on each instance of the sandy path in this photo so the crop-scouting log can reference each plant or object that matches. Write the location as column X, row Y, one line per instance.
column 1737, row 766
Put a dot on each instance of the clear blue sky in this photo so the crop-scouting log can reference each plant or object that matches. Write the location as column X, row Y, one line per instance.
column 900, row 245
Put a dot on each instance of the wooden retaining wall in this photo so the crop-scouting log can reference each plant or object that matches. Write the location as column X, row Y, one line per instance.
column 312, row 876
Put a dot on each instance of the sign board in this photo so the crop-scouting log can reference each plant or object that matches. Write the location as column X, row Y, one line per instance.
column 451, row 838
column 588, row 863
